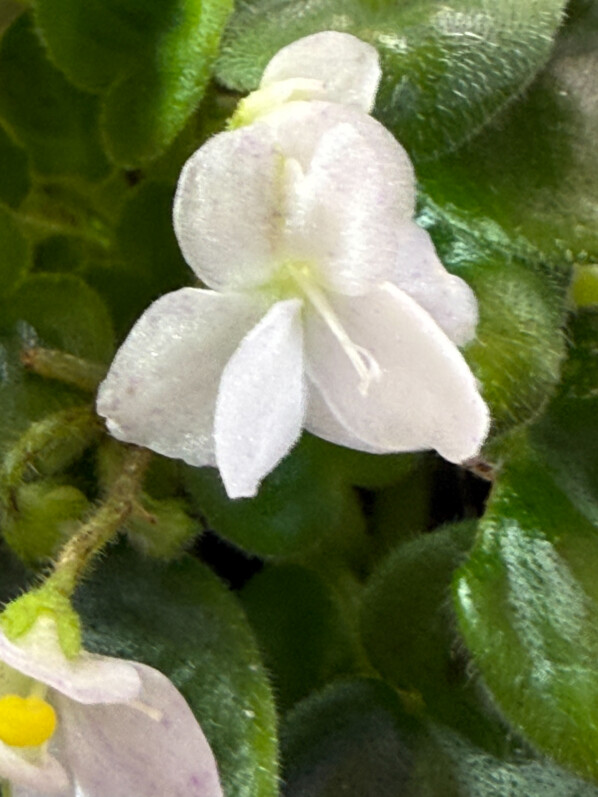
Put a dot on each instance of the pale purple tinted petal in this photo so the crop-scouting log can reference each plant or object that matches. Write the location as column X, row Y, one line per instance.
column 153, row 749
column 41, row 779
column 419, row 272
column 226, row 208
column 348, row 68
column 87, row 678
column 426, row 396
column 320, row 421
column 347, row 211
column 161, row 389
column 261, row 402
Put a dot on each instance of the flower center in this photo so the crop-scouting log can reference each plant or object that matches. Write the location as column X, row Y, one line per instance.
column 361, row 359
column 26, row 721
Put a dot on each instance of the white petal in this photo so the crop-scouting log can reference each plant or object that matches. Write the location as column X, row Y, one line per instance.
column 261, row 401
column 348, row 208
column 348, row 68
column 87, row 678
column 226, row 208
column 320, row 421
column 161, row 389
column 419, row 272
column 28, row 779
column 154, row 748
column 426, row 396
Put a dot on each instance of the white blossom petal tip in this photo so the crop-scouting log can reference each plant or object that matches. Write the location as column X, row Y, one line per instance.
column 346, row 68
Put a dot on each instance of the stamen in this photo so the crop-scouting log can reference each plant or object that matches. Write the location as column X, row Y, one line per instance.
column 26, row 721
column 362, row 360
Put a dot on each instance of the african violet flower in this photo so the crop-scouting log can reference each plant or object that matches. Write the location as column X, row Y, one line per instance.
column 330, row 66
column 328, row 307
column 95, row 726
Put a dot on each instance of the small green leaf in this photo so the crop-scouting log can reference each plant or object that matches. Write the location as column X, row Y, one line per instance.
column 303, row 632
column 55, row 122
column 151, row 60
column 448, row 67
column 14, row 175
column 180, row 619
column 15, row 253
column 535, row 169
column 163, row 528
column 279, row 521
column 62, row 312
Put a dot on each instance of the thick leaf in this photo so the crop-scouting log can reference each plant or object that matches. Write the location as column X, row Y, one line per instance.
column 152, row 59
column 14, row 175
column 303, row 632
column 355, row 739
column 448, row 67
column 62, row 312
column 55, row 122
column 519, row 343
column 279, row 521
column 528, row 596
column 180, row 619
column 410, row 634
column 15, row 254
column 535, row 169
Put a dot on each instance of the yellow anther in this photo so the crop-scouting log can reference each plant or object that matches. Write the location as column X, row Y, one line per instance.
column 26, row 721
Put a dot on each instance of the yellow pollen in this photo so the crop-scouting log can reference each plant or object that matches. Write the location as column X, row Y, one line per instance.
column 26, row 721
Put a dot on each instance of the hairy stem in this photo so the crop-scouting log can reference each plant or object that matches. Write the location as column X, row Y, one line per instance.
column 64, row 367
column 104, row 523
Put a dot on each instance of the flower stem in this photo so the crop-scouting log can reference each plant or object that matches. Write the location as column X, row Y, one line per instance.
column 103, row 525
column 64, row 367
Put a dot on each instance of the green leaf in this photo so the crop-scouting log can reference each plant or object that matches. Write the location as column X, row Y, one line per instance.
column 305, row 637
column 14, row 175
column 55, row 122
column 279, row 521
column 180, row 619
column 15, row 253
column 62, row 312
column 448, row 67
column 528, row 598
column 410, row 634
column 519, row 343
column 535, row 170
column 151, row 60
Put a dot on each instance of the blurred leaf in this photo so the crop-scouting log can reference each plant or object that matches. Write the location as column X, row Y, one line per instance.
column 62, row 312
column 410, row 633
column 528, row 597
column 535, row 169
column 304, row 635
column 179, row 619
column 152, row 60
column 448, row 67
column 15, row 254
column 279, row 521
column 14, row 175
column 55, row 122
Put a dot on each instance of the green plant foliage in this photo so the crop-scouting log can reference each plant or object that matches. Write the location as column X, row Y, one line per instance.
column 535, row 169
column 14, row 175
column 180, row 619
column 15, row 252
column 527, row 596
column 62, row 312
column 279, row 521
column 151, row 60
column 163, row 527
column 55, row 122
column 433, row 55
column 306, row 639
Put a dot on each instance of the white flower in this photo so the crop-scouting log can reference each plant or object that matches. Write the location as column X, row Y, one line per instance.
column 329, row 309
column 330, row 66
column 95, row 726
